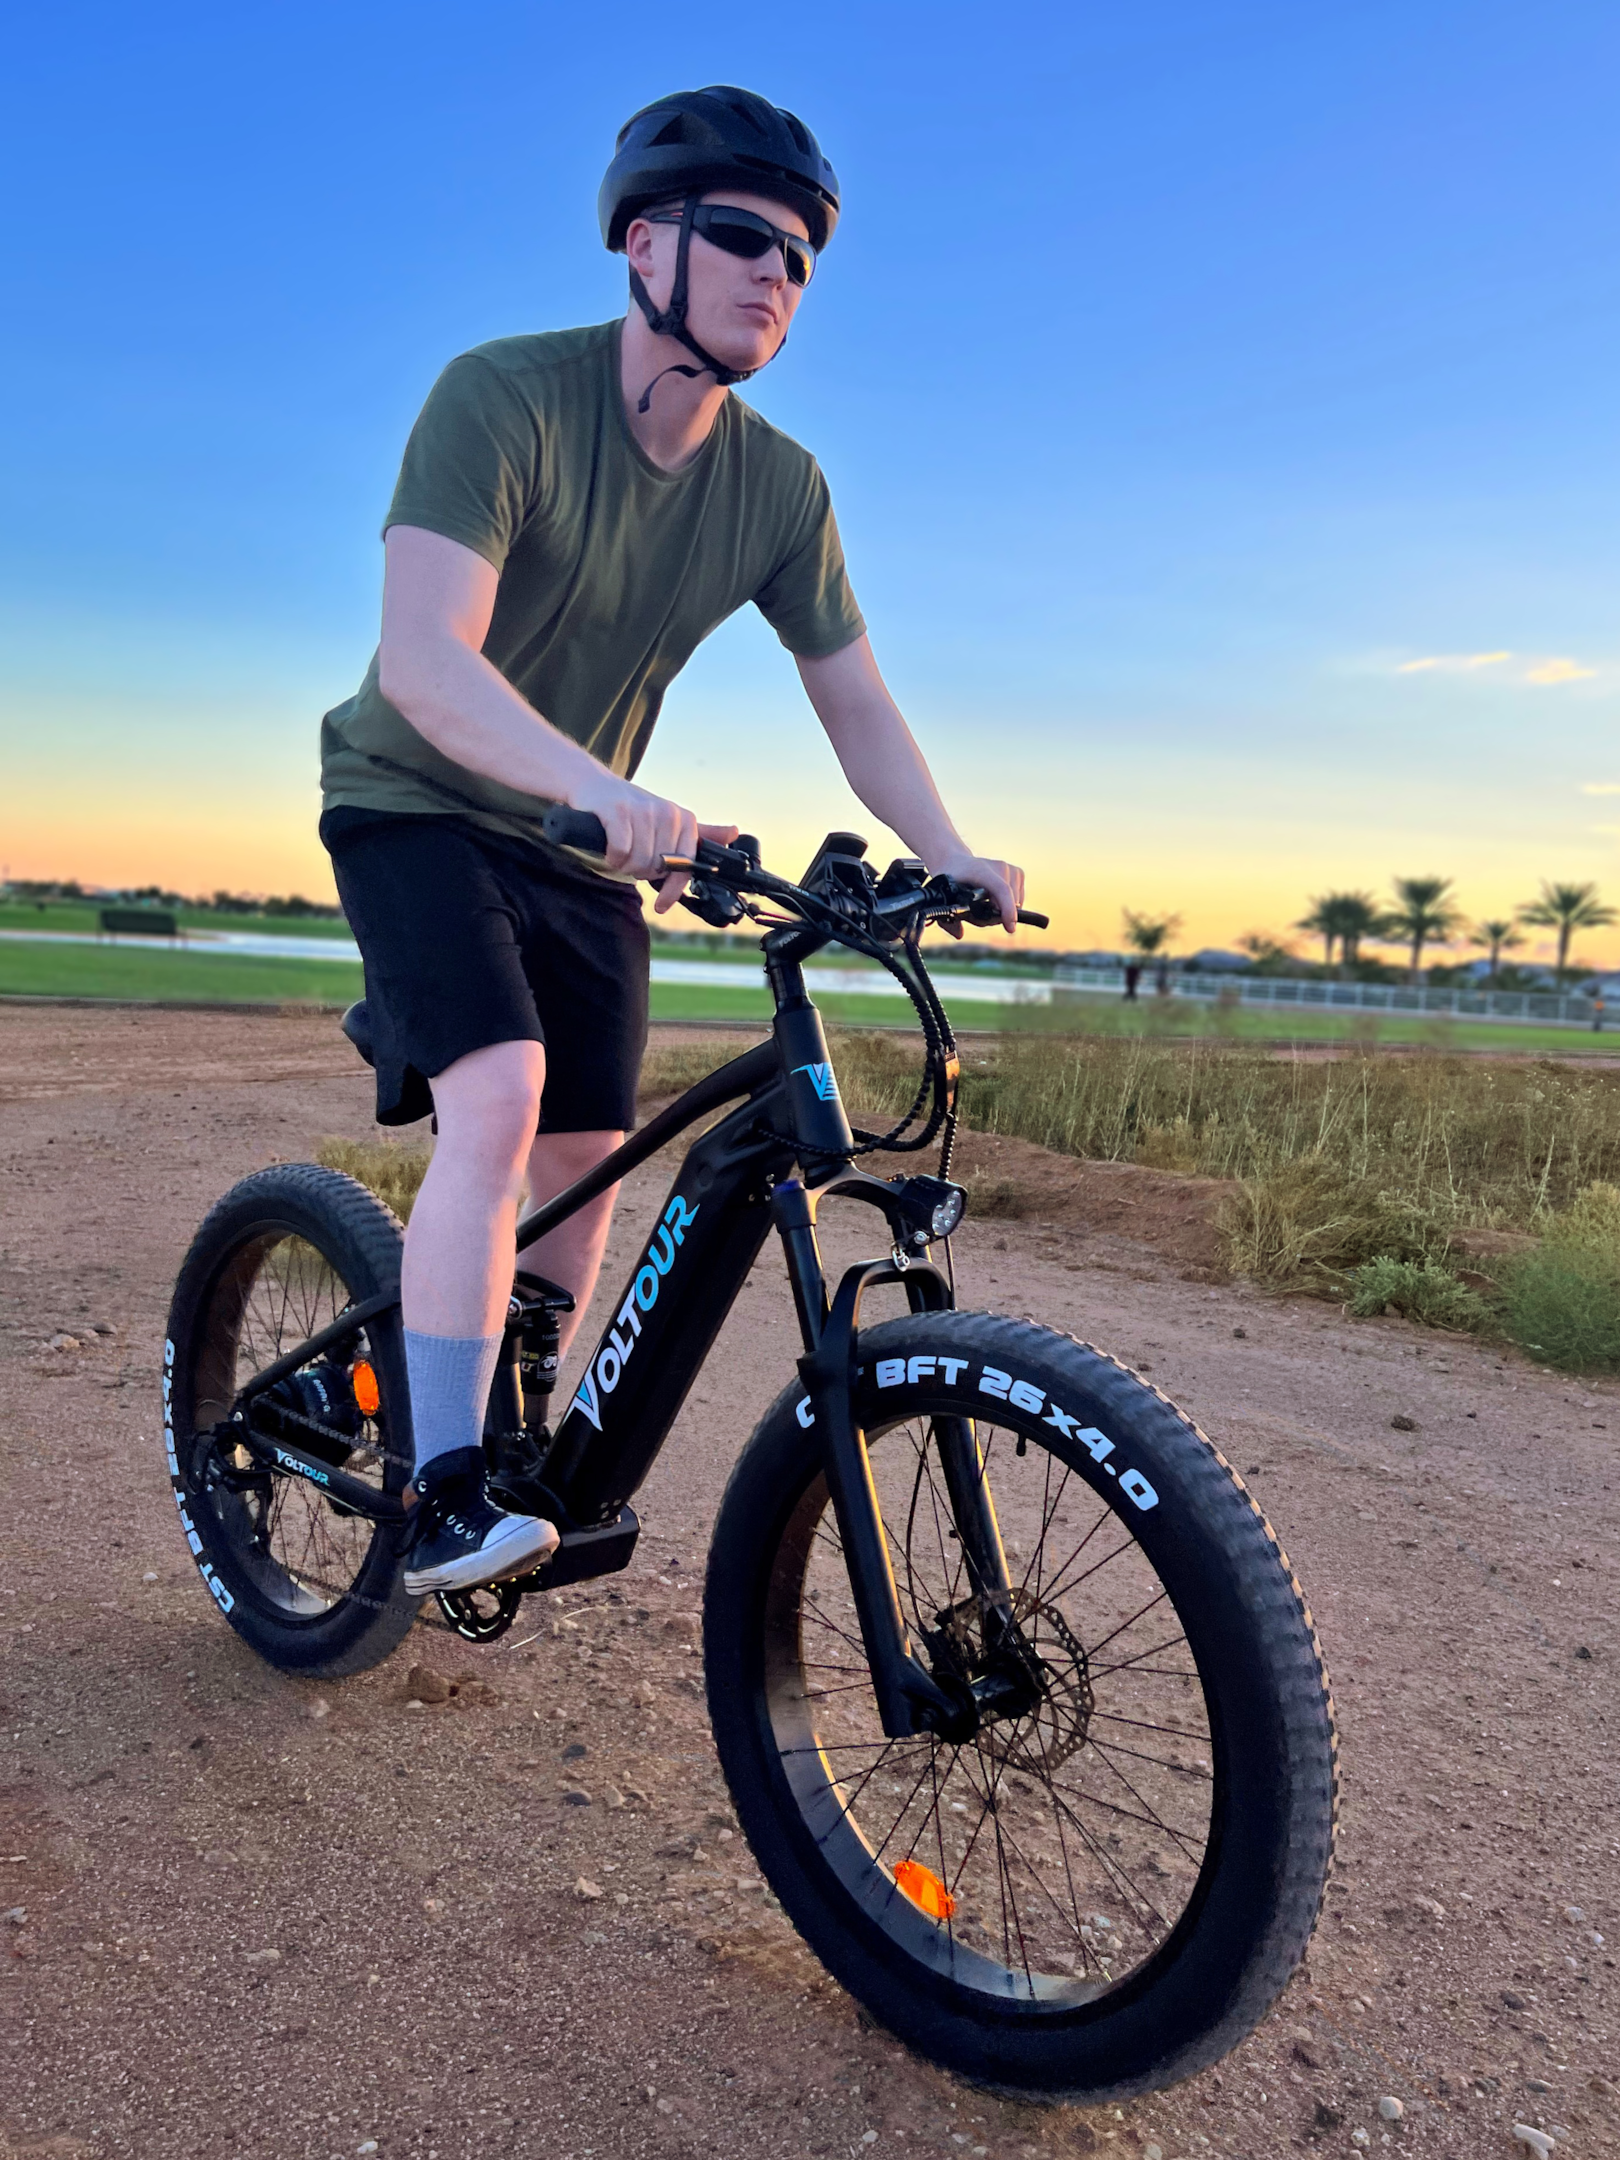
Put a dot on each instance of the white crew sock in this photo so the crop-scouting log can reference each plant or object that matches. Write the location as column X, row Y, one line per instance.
column 450, row 1378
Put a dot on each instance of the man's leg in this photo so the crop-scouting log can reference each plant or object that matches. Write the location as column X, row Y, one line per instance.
column 572, row 1253
column 457, row 1271
column 455, row 1282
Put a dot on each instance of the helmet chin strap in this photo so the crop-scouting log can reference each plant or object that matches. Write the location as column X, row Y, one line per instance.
column 671, row 321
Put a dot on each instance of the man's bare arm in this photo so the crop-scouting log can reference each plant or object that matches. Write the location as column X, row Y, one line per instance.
column 883, row 765
column 438, row 598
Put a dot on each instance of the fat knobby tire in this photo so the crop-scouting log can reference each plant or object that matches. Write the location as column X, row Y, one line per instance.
column 1274, row 1801
column 361, row 1240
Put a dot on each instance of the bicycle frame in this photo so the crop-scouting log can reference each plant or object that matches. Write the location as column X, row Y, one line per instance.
column 733, row 1186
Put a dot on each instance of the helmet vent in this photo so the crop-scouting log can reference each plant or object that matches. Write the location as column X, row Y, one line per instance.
column 672, row 131
column 799, row 132
column 748, row 116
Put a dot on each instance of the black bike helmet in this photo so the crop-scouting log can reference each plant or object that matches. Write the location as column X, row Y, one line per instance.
column 719, row 137
column 684, row 146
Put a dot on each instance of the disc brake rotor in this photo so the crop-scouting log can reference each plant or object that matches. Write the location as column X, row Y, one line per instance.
column 1044, row 1737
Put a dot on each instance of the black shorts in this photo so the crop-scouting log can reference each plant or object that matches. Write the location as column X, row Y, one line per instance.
column 469, row 939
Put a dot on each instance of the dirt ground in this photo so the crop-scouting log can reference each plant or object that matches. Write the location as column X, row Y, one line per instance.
column 242, row 1916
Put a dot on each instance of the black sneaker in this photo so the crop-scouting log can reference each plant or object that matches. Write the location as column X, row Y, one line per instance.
column 460, row 1539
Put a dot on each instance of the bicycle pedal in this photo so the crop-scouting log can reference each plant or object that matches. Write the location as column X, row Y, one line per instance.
column 521, row 1495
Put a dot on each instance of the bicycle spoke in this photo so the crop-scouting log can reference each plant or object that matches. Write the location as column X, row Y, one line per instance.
column 1028, row 1858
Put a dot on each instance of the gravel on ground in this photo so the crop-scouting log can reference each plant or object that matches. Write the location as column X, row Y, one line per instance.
column 494, row 1900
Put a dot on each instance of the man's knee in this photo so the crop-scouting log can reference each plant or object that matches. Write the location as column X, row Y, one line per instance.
column 489, row 1100
column 575, row 1152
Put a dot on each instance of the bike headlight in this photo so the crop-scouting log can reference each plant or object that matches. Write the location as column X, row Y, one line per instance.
column 948, row 1212
column 934, row 1205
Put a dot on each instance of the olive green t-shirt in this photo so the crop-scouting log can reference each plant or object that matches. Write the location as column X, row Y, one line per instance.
column 612, row 571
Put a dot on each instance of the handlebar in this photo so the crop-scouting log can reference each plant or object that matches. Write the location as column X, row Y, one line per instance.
column 738, row 869
column 581, row 829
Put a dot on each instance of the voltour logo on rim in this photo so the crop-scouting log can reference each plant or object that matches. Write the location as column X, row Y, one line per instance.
column 602, row 1374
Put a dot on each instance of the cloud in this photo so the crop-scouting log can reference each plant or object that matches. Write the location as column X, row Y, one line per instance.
column 1453, row 663
column 1556, row 671
column 1557, row 668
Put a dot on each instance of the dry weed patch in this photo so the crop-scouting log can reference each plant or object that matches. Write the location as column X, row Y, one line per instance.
column 1356, row 1174
column 393, row 1169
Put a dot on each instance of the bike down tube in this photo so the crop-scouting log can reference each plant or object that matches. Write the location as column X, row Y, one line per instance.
column 683, row 1285
column 648, row 1355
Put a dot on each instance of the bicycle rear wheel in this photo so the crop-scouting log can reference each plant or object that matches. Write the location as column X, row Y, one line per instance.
column 312, row 1586
column 1107, row 1892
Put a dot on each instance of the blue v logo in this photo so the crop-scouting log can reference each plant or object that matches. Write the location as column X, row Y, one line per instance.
column 823, row 1079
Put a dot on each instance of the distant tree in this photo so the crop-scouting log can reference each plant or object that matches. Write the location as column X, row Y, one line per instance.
column 1566, row 909
column 1362, row 918
column 1343, row 919
column 1269, row 954
column 1423, row 914
column 1145, row 935
column 1498, row 935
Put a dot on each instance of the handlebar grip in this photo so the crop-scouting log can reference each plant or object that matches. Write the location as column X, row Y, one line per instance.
column 581, row 829
column 1035, row 922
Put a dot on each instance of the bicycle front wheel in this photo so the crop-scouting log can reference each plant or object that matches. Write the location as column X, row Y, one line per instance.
column 1106, row 1892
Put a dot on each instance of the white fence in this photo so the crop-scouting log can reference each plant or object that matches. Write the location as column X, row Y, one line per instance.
column 1549, row 1008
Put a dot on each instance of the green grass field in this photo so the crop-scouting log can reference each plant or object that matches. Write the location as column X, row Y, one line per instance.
column 80, row 917
column 112, row 970
column 186, row 978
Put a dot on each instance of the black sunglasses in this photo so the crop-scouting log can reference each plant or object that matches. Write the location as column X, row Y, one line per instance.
column 740, row 232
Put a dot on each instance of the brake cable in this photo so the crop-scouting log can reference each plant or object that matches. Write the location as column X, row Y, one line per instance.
column 938, row 1039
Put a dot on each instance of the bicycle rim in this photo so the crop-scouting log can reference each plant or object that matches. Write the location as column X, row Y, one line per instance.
column 297, row 1553
column 1048, row 1861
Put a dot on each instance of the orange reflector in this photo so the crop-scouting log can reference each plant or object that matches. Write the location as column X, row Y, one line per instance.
column 366, row 1392
column 925, row 1889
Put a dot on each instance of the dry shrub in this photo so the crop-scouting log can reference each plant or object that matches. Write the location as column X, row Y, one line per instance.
column 1561, row 1302
column 1169, row 1147
column 392, row 1169
column 1466, row 1141
column 1307, row 1218
column 1004, row 1199
column 1423, row 1290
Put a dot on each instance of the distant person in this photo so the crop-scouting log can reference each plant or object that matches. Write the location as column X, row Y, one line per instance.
column 577, row 511
column 1597, row 1014
column 1133, row 975
column 1161, row 978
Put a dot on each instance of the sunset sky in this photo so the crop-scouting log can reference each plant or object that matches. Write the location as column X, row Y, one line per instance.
column 1218, row 400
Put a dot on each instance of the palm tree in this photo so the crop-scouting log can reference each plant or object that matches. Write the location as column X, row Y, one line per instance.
column 1499, row 936
column 1423, row 914
column 1566, row 909
column 1344, row 917
column 1146, row 936
column 1363, row 917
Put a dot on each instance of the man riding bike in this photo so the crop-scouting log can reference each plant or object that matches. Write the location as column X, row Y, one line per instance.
column 576, row 511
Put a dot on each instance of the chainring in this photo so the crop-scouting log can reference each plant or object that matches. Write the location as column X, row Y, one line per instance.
column 482, row 1615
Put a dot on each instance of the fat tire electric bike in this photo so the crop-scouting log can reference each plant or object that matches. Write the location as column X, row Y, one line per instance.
column 1019, row 1700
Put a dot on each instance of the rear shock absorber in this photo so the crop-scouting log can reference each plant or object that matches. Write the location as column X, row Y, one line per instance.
column 520, row 1403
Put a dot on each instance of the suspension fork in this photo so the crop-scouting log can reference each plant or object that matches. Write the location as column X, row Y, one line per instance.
column 973, row 1511
column 909, row 1699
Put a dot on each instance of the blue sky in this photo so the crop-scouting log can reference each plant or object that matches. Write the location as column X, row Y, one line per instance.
column 1183, row 374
